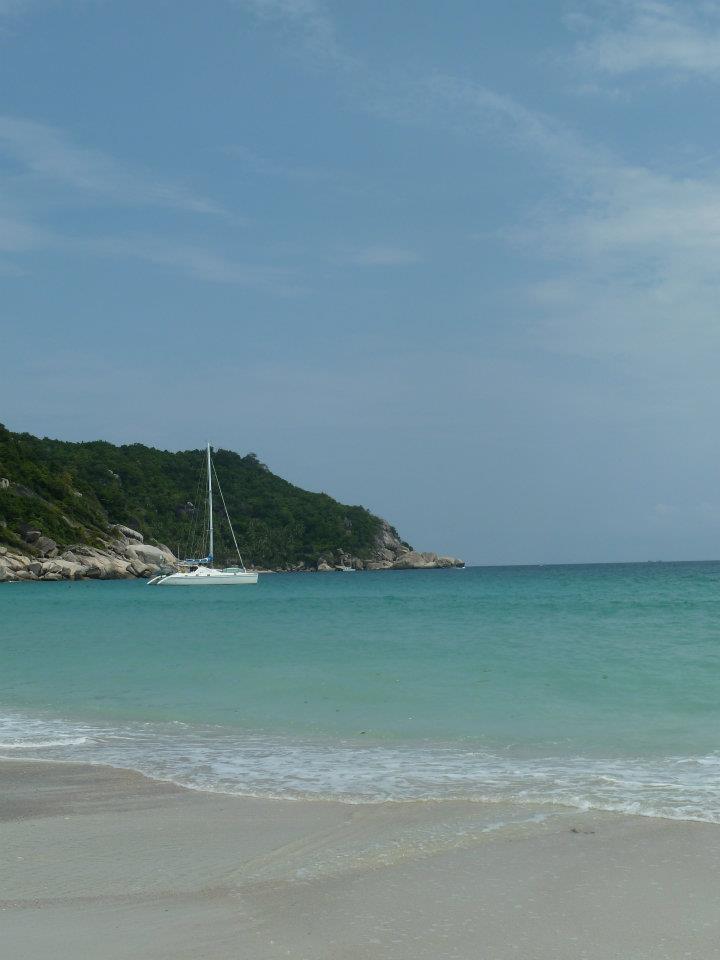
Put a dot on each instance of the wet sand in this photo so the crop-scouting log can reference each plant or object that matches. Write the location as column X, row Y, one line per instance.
column 104, row 864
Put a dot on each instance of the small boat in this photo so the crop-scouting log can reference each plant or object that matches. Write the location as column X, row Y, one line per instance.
column 201, row 573
column 343, row 569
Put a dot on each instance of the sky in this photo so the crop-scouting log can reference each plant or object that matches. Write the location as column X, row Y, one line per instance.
column 456, row 262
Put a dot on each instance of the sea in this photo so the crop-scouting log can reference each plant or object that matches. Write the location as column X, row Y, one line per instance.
column 588, row 686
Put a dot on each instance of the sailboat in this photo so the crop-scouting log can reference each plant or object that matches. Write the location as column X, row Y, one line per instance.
column 201, row 573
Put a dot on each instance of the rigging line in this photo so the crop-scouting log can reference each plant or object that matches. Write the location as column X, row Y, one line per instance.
column 191, row 542
column 242, row 564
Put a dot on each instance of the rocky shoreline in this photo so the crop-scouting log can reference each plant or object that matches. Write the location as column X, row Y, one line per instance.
column 127, row 557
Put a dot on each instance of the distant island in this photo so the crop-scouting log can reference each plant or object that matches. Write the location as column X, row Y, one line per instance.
column 96, row 510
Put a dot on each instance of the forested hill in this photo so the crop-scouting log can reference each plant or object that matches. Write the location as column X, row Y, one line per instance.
column 74, row 492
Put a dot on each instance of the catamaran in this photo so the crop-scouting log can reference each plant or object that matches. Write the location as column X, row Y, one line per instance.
column 200, row 572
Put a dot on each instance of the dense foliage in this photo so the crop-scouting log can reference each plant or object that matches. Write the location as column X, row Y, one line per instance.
column 72, row 492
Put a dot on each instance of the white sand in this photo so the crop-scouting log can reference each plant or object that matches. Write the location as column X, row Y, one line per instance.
column 102, row 864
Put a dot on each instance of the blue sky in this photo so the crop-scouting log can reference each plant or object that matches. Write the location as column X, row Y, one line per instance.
column 457, row 262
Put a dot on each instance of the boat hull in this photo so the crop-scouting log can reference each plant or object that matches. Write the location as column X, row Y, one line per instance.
column 209, row 579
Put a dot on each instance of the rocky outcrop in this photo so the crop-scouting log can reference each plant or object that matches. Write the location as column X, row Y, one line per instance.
column 390, row 553
column 128, row 556
column 125, row 557
column 412, row 560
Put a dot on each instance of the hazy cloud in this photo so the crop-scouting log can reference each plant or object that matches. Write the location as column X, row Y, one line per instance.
column 629, row 36
column 17, row 236
column 629, row 251
column 267, row 167
column 383, row 256
column 310, row 21
column 196, row 261
column 46, row 153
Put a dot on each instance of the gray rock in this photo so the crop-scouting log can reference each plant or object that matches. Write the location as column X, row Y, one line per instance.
column 128, row 533
column 46, row 546
column 31, row 535
column 80, row 550
column 323, row 567
column 413, row 560
column 147, row 554
column 65, row 569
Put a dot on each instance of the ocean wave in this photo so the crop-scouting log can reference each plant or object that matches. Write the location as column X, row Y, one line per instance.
column 37, row 744
column 215, row 760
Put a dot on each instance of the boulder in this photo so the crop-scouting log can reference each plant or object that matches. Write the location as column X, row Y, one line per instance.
column 324, row 567
column 31, row 535
column 99, row 564
column 147, row 554
column 128, row 533
column 65, row 569
column 35, row 567
column 414, row 560
column 46, row 547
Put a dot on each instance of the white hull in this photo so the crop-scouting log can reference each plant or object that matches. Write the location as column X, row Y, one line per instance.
column 208, row 578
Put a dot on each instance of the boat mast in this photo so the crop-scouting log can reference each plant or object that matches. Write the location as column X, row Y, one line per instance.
column 210, row 507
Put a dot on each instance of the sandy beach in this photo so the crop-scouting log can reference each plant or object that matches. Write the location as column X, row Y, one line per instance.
column 107, row 864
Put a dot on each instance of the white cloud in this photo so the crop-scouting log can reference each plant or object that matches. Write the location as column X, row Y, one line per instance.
column 46, row 153
column 629, row 36
column 631, row 252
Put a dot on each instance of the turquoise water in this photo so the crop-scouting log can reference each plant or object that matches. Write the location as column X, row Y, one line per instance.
column 589, row 685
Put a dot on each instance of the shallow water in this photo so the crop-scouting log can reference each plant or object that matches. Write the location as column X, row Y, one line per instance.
column 587, row 685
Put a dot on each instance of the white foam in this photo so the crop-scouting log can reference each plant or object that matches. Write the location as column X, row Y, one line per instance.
column 213, row 759
column 37, row 744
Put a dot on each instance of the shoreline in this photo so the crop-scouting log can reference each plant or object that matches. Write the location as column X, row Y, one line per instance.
column 363, row 771
column 49, row 571
column 105, row 862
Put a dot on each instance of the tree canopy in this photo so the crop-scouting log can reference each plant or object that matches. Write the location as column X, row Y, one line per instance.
column 74, row 492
